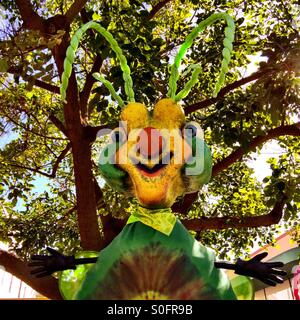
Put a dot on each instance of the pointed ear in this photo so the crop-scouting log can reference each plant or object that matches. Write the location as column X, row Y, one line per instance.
column 136, row 115
column 169, row 113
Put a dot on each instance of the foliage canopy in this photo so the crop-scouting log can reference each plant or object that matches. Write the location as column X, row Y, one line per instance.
column 59, row 142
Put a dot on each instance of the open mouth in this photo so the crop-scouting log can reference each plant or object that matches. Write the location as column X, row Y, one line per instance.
column 156, row 169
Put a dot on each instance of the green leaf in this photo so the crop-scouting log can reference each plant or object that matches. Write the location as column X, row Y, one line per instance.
column 96, row 16
column 102, row 105
column 3, row 65
column 158, row 42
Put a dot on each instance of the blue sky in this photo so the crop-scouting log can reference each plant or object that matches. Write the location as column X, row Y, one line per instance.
column 40, row 182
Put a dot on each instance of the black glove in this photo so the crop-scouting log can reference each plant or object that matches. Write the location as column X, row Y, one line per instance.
column 263, row 271
column 50, row 264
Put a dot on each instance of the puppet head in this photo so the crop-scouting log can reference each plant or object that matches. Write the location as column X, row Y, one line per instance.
column 154, row 154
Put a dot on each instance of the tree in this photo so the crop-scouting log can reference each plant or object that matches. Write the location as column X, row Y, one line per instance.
column 59, row 141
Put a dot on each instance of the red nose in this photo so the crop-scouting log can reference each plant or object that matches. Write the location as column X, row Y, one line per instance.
column 150, row 142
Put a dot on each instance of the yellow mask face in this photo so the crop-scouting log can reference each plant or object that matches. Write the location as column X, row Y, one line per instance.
column 150, row 155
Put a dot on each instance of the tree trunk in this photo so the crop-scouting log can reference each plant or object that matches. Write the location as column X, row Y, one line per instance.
column 47, row 286
column 81, row 151
column 85, row 194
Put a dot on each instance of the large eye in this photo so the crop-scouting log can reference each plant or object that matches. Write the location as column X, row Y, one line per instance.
column 118, row 135
column 191, row 130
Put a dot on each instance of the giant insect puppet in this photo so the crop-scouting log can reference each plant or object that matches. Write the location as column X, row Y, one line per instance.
column 154, row 256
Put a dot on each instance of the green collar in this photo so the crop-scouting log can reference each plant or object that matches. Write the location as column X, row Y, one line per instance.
column 162, row 220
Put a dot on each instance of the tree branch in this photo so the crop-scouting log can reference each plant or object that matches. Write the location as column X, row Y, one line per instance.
column 59, row 159
column 36, row 170
column 39, row 83
column 291, row 130
column 90, row 133
column 30, row 18
column 29, row 130
column 47, row 286
column 59, row 125
column 157, row 8
column 74, row 9
column 223, row 164
column 55, row 166
column 67, row 214
column 206, row 103
column 46, row 86
column 185, row 204
column 90, row 80
column 219, row 223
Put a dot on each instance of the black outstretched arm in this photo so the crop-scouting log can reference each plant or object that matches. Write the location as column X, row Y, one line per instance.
column 263, row 271
column 255, row 268
column 46, row 265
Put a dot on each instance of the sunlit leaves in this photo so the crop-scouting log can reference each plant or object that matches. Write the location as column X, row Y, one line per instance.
column 48, row 217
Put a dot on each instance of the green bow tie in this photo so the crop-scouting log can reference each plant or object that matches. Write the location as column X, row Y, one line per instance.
column 162, row 220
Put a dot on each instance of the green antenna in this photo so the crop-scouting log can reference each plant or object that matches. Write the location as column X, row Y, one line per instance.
column 110, row 87
column 226, row 53
column 70, row 56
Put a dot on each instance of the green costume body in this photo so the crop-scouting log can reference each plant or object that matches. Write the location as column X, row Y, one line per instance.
column 143, row 263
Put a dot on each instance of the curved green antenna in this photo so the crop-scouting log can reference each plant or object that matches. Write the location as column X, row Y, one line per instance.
column 70, row 56
column 110, row 87
column 226, row 53
column 189, row 85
